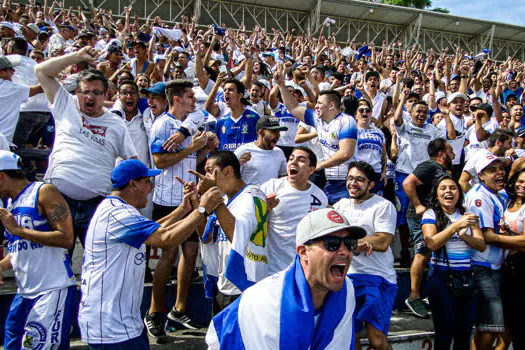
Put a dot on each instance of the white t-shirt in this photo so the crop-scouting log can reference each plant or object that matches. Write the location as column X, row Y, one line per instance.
column 459, row 142
column 113, row 273
column 490, row 126
column 376, row 214
column 12, row 96
column 263, row 165
column 284, row 218
column 25, row 75
column 85, row 149
column 413, row 142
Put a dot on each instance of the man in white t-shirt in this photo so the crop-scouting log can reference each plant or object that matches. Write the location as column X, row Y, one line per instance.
column 373, row 275
column 261, row 160
column 114, row 260
column 89, row 138
column 12, row 96
column 289, row 199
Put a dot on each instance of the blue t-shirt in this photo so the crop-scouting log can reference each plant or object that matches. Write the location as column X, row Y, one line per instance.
column 233, row 134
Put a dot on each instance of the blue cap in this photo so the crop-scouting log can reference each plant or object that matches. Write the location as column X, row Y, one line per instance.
column 157, row 89
column 130, row 169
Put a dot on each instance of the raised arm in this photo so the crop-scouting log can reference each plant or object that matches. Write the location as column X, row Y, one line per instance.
column 289, row 101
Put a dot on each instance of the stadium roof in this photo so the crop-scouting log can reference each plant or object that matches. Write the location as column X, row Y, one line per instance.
column 403, row 16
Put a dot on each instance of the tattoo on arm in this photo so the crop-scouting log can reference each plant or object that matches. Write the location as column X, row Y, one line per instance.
column 58, row 214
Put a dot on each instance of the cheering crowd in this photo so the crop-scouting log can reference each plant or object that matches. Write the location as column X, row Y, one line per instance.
column 268, row 154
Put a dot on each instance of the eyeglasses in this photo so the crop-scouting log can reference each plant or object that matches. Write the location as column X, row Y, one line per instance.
column 473, row 108
column 94, row 93
column 363, row 110
column 333, row 243
column 358, row 179
column 129, row 93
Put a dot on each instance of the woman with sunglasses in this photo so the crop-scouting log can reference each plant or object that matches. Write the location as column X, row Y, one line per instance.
column 450, row 233
column 371, row 144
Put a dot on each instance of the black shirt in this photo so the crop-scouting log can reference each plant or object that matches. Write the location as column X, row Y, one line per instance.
column 428, row 172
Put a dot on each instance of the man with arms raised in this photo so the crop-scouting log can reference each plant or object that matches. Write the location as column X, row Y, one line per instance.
column 337, row 133
column 115, row 257
column 289, row 199
column 38, row 230
column 310, row 305
column 88, row 138
column 373, row 276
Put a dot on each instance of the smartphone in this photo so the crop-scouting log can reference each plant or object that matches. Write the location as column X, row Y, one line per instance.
column 223, row 69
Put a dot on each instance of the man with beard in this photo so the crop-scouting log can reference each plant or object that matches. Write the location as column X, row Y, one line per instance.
column 314, row 290
column 418, row 186
column 373, row 276
column 486, row 200
column 289, row 199
column 337, row 135
column 261, row 160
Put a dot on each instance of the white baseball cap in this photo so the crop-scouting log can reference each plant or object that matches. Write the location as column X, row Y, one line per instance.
column 453, row 96
column 322, row 222
column 485, row 160
column 10, row 161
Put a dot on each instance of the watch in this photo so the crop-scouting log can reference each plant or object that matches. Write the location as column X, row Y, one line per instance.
column 202, row 210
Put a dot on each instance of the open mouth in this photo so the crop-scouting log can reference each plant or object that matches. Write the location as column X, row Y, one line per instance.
column 90, row 104
column 293, row 171
column 227, row 99
column 129, row 104
column 338, row 271
column 500, row 182
column 448, row 197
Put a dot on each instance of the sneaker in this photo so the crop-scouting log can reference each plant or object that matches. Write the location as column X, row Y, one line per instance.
column 183, row 319
column 154, row 324
column 418, row 307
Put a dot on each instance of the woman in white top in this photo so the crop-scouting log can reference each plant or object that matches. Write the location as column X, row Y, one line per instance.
column 513, row 238
column 450, row 233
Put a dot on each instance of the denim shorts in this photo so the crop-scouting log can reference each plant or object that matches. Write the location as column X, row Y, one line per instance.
column 402, row 198
column 490, row 308
column 414, row 225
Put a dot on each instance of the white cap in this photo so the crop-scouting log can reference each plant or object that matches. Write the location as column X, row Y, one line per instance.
column 485, row 160
column 322, row 222
column 9, row 161
column 7, row 25
column 451, row 97
column 439, row 95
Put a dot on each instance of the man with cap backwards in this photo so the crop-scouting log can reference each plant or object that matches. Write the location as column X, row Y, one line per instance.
column 337, row 133
column 261, row 160
column 114, row 259
column 310, row 305
column 486, row 200
column 373, row 276
column 39, row 230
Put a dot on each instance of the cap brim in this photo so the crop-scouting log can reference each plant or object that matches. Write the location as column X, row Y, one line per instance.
column 356, row 232
column 153, row 172
column 280, row 128
column 154, row 92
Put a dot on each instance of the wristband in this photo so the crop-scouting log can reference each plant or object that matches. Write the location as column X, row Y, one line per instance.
column 184, row 131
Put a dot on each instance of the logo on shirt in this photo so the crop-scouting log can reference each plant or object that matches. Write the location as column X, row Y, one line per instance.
column 140, row 258
column 478, row 202
column 223, row 129
column 244, row 128
column 35, row 336
column 96, row 130
column 261, row 214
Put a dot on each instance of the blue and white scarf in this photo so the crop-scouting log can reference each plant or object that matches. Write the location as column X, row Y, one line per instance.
column 278, row 313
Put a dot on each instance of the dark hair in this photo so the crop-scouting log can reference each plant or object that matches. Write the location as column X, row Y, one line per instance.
column 226, row 158
column 176, row 88
column 423, row 103
column 413, row 94
column 365, row 168
column 476, row 98
column 238, row 84
column 499, row 135
column 442, row 219
column 350, row 103
column 92, row 75
column 213, row 74
column 311, row 155
column 333, row 96
column 19, row 45
column 511, row 186
column 128, row 82
column 436, row 146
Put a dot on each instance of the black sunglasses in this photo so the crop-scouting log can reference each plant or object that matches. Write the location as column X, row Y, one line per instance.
column 333, row 243
column 473, row 108
column 363, row 110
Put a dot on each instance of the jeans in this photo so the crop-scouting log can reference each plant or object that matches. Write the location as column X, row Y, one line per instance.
column 453, row 316
column 81, row 214
column 29, row 124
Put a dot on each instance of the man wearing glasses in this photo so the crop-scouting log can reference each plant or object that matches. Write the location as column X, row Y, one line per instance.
column 314, row 290
column 88, row 138
column 373, row 276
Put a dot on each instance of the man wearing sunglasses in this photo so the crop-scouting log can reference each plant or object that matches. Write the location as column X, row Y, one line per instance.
column 314, row 290
column 373, row 276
